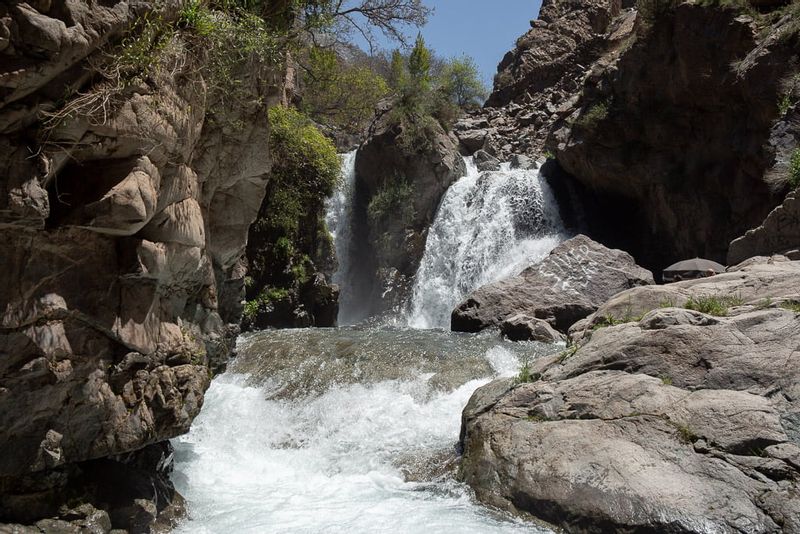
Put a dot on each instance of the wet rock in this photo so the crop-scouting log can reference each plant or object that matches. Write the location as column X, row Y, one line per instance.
column 486, row 162
column 569, row 284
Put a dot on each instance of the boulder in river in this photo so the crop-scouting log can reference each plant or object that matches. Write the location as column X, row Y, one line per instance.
column 679, row 422
column 569, row 284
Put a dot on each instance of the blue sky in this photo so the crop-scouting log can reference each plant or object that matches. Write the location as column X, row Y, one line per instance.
column 483, row 29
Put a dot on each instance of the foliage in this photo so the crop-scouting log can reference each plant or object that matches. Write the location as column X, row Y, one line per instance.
column 263, row 301
column 713, row 305
column 591, row 118
column 429, row 93
column 791, row 305
column 339, row 93
column 289, row 225
column 461, row 83
column 393, row 201
column 525, row 375
column 794, row 169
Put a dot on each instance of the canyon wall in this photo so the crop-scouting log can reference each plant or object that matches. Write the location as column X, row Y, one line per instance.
column 125, row 201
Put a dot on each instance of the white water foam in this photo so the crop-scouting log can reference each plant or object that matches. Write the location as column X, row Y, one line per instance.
column 333, row 463
column 489, row 226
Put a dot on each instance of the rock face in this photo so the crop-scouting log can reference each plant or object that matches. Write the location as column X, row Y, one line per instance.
column 779, row 233
column 397, row 192
column 678, row 422
column 122, row 224
column 569, row 284
column 636, row 109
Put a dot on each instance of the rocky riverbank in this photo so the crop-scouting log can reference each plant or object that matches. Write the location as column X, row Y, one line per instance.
column 675, row 409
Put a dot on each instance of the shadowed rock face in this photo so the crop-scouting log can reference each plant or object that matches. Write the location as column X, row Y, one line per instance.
column 680, row 422
column 390, row 245
column 668, row 134
column 121, row 233
column 779, row 233
column 569, row 284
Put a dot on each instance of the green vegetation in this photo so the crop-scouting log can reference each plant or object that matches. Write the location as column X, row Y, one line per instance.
column 594, row 116
column 794, row 169
column 289, row 236
column 567, row 353
column 461, row 83
column 340, row 93
column 263, row 301
column 713, row 305
column 791, row 305
column 429, row 93
column 394, row 201
column 610, row 320
column 685, row 434
column 525, row 375
column 666, row 380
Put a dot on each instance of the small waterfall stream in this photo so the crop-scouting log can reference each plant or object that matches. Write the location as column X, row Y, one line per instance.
column 490, row 225
column 339, row 220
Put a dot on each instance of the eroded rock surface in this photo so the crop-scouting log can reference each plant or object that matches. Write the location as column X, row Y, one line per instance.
column 119, row 248
column 569, row 284
column 778, row 234
column 678, row 422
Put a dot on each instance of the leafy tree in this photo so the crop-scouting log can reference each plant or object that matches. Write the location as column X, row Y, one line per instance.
column 461, row 83
column 340, row 93
column 419, row 65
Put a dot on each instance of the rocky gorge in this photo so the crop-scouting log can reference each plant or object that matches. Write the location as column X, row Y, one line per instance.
column 147, row 213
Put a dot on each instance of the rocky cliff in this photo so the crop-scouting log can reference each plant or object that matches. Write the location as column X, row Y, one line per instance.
column 128, row 184
column 397, row 191
column 672, row 124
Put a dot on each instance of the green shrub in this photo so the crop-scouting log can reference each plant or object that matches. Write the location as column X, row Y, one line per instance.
column 791, row 305
column 713, row 305
column 525, row 375
column 338, row 93
column 393, row 201
column 591, row 118
column 794, row 169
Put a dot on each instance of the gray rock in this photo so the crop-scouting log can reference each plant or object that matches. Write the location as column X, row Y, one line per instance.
column 568, row 285
column 523, row 328
column 486, row 162
column 471, row 140
column 779, row 233
column 518, row 161
column 677, row 422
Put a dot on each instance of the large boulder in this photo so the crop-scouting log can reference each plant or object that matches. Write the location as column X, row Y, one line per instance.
column 569, row 284
column 400, row 182
column 679, row 422
column 778, row 234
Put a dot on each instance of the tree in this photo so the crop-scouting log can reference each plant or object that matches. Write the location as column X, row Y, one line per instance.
column 461, row 83
column 362, row 17
column 341, row 93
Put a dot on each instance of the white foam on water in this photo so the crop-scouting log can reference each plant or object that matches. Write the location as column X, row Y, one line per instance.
column 490, row 225
column 331, row 463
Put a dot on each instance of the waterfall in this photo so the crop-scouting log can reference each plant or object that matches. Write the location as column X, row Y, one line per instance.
column 489, row 226
column 339, row 220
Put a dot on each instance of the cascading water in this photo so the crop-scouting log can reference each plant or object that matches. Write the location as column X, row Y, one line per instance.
column 489, row 226
column 353, row 429
column 324, row 431
column 339, row 220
